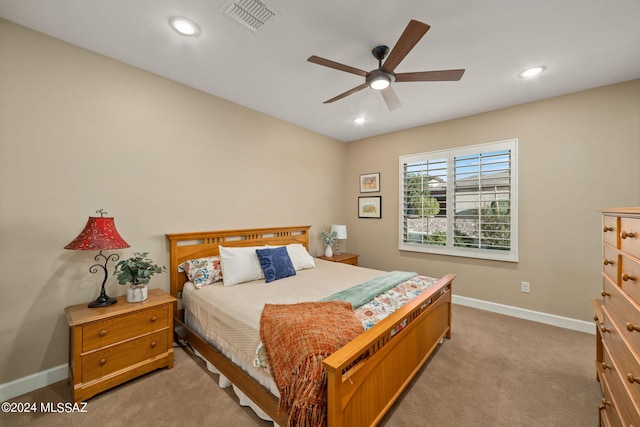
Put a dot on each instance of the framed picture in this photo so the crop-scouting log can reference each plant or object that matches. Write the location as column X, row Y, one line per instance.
column 370, row 182
column 370, row 207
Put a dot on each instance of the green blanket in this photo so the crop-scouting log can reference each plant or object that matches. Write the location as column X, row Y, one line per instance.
column 364, row 292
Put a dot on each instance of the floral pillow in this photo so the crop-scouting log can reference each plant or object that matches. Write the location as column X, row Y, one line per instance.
column 202, row 271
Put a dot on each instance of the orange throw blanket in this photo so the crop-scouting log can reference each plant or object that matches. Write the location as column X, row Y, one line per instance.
column 296, row 338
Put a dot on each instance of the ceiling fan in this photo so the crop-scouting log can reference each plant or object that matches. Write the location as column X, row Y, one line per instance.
column 382, row 77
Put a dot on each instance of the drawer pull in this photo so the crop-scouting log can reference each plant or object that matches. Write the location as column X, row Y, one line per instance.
column 604, row 402
column 103, row 362
column 153, row 344
column 631, row 327
column 608, row 262
column 604, row 330
column 605, row 293
column 103, row 333
column 624, row 235
column 605, row 366
column 153, row 319
column 633, row 379
column 626, row 277
column 605, row 229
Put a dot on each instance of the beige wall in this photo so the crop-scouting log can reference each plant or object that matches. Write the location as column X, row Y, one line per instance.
column 577, row 154
column 79, row 132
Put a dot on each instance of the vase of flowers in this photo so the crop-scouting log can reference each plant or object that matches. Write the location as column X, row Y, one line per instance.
column 329, row 237
column 137, row 271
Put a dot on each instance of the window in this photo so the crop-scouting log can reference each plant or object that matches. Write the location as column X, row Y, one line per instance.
column 461, row 202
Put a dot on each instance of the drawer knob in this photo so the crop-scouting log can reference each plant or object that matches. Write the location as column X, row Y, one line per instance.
column 153, row 344
column 604, row 330
column 103, row 362
column 624, row 235
column 605, row 229
column 103, row 333
column 631, row 327
column 633, row 379
column 153, row 319
column 608, row 262
column 605, row 293
column 604, row 402
column 626, row 277
column 605, row 366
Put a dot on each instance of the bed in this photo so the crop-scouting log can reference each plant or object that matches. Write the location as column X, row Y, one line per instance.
column 364, row 377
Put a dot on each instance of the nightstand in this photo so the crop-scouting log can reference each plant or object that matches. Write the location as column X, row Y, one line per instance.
column 344, row 258
column 113, row 344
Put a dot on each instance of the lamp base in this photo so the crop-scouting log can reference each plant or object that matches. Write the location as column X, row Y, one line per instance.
column 102, row 301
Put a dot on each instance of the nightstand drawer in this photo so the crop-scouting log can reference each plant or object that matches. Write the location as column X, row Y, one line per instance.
column 351, row 261
column 102, row 333
column 112, row 359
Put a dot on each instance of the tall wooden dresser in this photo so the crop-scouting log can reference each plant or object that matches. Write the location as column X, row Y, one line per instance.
column 618, row 317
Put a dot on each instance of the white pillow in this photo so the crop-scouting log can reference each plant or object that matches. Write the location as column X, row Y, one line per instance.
column 240, row 264
column 300, row 257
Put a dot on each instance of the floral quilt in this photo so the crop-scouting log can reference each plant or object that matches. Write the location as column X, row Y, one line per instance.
column 376, row 309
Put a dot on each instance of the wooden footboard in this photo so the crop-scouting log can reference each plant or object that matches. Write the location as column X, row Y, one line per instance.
column 360, row 396
column 368, row 374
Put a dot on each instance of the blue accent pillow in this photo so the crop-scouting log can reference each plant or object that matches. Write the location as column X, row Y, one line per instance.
column 276, row 263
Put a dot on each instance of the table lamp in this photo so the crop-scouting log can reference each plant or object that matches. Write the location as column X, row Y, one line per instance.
column 100, row 234
column 341, row 234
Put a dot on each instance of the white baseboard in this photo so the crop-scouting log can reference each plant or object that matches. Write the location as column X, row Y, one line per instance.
column 42, row 379
column 522, row 313
column 32, row 382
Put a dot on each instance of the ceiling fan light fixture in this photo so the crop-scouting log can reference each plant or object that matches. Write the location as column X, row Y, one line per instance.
column 378, row 79
column 531, row 71
column 184, row 26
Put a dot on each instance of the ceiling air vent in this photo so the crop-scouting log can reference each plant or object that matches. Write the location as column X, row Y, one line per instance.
column 251, row 14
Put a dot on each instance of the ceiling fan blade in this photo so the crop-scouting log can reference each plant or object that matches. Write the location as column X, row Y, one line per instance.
column 347, row 93
column 336, row 65
column 409, row 38
column 391, row 98
column 430, row 76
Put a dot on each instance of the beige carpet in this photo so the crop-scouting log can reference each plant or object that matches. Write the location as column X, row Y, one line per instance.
column 495, row 371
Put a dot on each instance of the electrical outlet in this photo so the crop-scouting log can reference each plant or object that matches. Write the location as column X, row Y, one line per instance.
column 525, row 287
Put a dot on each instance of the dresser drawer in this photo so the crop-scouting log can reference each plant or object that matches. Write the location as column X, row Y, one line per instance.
column 112, row 359
column 608, row 410
column 615, row 376
column 629, row 276
column 110, row 331
column 610, row 263
column 610, row 230
column 630, row 236
column 622, row 312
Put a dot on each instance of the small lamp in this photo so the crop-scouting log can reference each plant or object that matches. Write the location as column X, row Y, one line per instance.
column 341, row 234
column 99, row 234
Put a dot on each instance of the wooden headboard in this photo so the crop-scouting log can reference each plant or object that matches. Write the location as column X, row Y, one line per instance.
column 186, row 246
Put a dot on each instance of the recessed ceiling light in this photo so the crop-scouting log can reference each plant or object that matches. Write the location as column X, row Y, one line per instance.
column 359, row 120
column 532, row 71
column 184, row 26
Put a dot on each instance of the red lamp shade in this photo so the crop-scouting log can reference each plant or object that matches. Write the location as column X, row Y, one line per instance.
column 99, row 233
